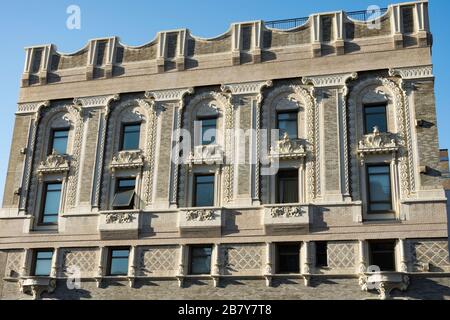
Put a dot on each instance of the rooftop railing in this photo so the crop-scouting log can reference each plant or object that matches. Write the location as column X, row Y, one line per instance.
column 363, row 15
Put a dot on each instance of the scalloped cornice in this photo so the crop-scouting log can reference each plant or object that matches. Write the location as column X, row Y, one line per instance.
column 410, row 73
column 333, row 80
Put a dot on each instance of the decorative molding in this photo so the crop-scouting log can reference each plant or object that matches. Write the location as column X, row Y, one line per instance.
column 377, row 143
column 96, row 101
column 246, row 87
column 31, row 107
column 384, row 283
column 120, row 218
column 411, row 73
column 334, row 80
column 288, row 212
column 169, row 95
column 37, row 286
column 55, row 163
column 127, row 160
column 200, row 215
column 286, row 149
column 208, row 154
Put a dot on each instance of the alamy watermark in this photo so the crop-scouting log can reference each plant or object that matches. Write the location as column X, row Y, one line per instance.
column 73, row 21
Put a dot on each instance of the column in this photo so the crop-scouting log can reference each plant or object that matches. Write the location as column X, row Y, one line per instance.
column 269, row 269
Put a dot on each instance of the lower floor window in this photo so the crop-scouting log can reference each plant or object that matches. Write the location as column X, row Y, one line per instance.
column 200, row 260
column 51, row 203
column 204, row 191
column 380, row 197
column 42, row 263
column 288, row 258
column 125, row 194
column 118, row 262
column 382, row 254
column 321, row 254
column 287, row 186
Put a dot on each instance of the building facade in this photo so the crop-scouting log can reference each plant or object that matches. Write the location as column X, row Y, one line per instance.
column 265, row 163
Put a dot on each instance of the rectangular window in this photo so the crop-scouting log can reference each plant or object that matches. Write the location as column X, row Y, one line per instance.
column 321, row 254
column 42, row 263
column 130, row 136
column 51, row 202
column 209, row 131
column 287, row 186
column 375, row 116
column 288, row 258
column 58, row 141
column 200, row 260
column 204, row 191
column 288, row 123
column 382, row 254
column 379, row 179
column 118, row 261
column 125, row 192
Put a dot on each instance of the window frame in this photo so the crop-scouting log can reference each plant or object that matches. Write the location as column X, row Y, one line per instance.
column 278, row 185
column 369, row 201
column 206, row 118
column 371, row 260
column 116, row 191
column 110, row 261
column 191, row 250
column 52, row 139
column 44, row 201
column 278, row 268
column 367, row 130
column 34, row 261
column 122, row 134
column 296, row 122
column 194, row 193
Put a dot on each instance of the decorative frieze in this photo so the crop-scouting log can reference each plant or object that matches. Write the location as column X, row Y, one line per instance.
column 207, row 154
column 120, row 218
column 200, row 215
column 127, row 160
column 287, row 149
column 201, row 222
column 37, row 286
column 55, row 163
column 333, row 80
column 377, row 143
column 410, row 73
column 119, row 224
column 280, row 218
column 32, row 107
column 288, row 212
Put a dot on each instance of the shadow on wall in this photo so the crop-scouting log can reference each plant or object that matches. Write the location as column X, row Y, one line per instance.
column 426, row 289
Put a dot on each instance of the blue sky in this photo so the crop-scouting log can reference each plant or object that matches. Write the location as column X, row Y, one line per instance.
column 25, row 23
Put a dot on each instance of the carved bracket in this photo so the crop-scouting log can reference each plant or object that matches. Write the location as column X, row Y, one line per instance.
column 37, row 286
column 127, row 160
column 55, row 163
column 287, row 149
column 377, row 143
column 384, row 283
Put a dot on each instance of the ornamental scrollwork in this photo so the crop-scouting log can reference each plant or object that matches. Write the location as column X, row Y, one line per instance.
column 209, row 154
column 54, row 163
column 287, row 148
column 200, row 215
column 127, row 160
column 286, row 212
column 120, row 218
column 377, row 143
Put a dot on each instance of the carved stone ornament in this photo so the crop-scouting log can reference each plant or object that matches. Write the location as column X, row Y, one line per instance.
column 384, row 283
column 127, row 160
column 120, row 218
column 200, row 215
column 208, row 154
column 287, row 212
column 37, row 286
column 288, row 148
column 55, row 163
column 377, row 143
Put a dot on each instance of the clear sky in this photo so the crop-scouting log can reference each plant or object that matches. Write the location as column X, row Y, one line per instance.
column 25, row 23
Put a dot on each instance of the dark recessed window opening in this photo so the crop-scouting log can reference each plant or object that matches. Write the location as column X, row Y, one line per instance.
column 288, row 123
column 288, row 258
column 380, row 196
column 125, row 194
column 209, row 131
column 42, row 263
column 58, row 141
column 204, row 191
column 382, row 254
column 375, row 116
column 287, row 186
column 118, row 261
column 200, row 260
column 130, row 136
column 51, row 202
column 321, row 254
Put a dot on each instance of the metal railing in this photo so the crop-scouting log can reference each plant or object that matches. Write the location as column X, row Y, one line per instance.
column 363, row 15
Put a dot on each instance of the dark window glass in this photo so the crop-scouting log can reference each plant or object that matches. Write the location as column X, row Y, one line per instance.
column 209, row 131
column 42, row 263
column 288, row 186
column 204, row 191
column 130, row 137
column 379, row 178
column 201, row 260
column 52, row 201
column 118, row 265
column 382, row 254
column 288, row 257
column 287, row 123
column 375, row 116
column 124, row 197
column 58, row 141
column 321, row 254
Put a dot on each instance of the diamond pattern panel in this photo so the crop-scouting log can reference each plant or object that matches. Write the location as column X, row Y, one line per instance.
column 242, row 258
column 14, row 263
column 341, row 255
column 85, row 259
column 158, row 261
column 434, row 253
